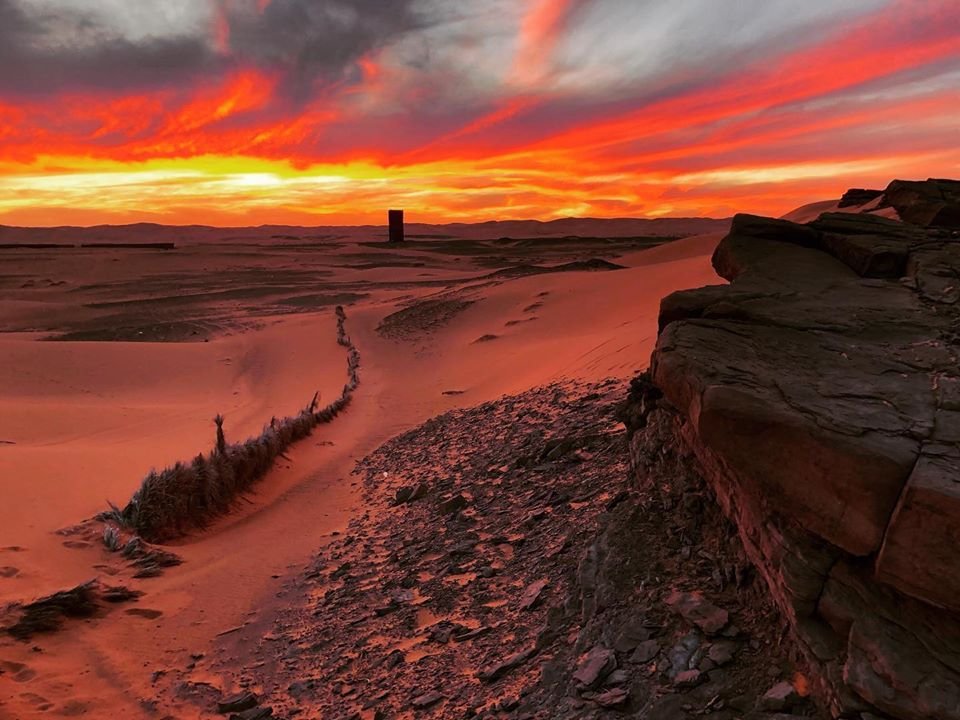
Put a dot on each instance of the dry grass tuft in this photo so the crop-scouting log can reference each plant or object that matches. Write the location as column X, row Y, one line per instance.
column 48, row 613
column 189, row 495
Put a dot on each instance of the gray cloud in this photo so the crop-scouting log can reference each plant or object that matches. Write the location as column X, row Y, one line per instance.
column 48, row 50
column 309, row 41
column 51, row 45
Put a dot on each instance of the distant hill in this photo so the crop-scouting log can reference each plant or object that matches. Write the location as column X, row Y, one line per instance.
column 153, row 233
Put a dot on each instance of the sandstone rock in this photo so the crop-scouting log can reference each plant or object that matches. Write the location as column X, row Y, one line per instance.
column 237, row 703
column 257, row 713
column 931, row 202
column 595, row 666
column 453, row 505
column 617, row 677
column 869, row 256
column 498, row 670
column 699, row 611
column 819, row 394
column 859, row 196
column 920, row 551
column 781, row 696
column 645, row 652
column 426, row 700
column 613, row 698
column 722, row 652
column 532, row 594
column 681, row 655
column 689, row 679
column 633, row 633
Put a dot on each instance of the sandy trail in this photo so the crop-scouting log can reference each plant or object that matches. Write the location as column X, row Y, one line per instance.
column 538, row 329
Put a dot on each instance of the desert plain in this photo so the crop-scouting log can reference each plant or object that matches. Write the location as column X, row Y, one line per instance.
column 114, row 360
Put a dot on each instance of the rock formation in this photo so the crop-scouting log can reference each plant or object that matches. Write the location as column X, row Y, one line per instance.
column 820, row 395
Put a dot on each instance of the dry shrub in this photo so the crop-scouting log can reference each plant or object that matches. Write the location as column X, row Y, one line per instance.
column 48, row 613
column 187, row 496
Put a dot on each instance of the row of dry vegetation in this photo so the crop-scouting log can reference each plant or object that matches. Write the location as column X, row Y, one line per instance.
column 187, row 496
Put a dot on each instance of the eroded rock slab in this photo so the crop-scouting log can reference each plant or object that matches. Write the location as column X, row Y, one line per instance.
column 819, row 393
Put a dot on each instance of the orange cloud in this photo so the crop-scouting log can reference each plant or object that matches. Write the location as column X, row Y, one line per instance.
column 869, row 101
column 540, row 30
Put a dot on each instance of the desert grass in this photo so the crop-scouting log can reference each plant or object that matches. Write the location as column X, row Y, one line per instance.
column 189, row 495
column 49, row 613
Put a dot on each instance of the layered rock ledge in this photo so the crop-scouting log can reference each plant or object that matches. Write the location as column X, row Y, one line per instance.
column 819, row 392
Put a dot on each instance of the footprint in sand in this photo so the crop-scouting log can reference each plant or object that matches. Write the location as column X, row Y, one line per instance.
column 18, row 671
column 485, row 338
column 76, row 544
column 73, row 708
column 145, row 613
column 109, row 570
column 38, row 701
column 9, row 572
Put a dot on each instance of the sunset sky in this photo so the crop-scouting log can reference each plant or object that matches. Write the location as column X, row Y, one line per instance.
column 238, row 112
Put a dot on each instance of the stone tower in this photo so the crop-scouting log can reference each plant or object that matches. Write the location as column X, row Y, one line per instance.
column 396, row 226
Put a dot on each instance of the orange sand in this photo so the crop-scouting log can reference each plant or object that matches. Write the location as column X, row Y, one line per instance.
column 88, row 419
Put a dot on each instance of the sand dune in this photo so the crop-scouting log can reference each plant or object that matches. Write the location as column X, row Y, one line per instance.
column 87, row 419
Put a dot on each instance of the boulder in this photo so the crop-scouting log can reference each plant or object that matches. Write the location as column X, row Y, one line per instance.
column 699, row 611
column 932, row 203
column 858, row 196
column 595, row 666
column 919, row 554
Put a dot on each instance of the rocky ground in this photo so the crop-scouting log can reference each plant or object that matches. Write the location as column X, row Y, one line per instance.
column 509, row 568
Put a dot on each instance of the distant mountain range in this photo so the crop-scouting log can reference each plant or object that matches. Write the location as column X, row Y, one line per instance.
column 566, row 227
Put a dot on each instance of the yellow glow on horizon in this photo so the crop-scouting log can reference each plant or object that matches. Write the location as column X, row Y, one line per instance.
column 239, row 190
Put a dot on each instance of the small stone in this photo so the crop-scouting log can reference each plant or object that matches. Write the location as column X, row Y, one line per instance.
column 442, row 634
column 722, row 652
column 426, row 700
column 393, row 659
column 612, row 698
column 633, row 633
column 264, row 713
column 532, row 595
column 237, row 703
column 453, row 505
column 645, row 652
column 689, row 679
column 680, row 655
column 780, row 697
column 699, row 611
column 493, row 672
column 617, row 677
column 595, row 666
column 466, row 635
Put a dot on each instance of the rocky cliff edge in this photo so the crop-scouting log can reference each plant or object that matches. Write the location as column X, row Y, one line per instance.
column 820, row 394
